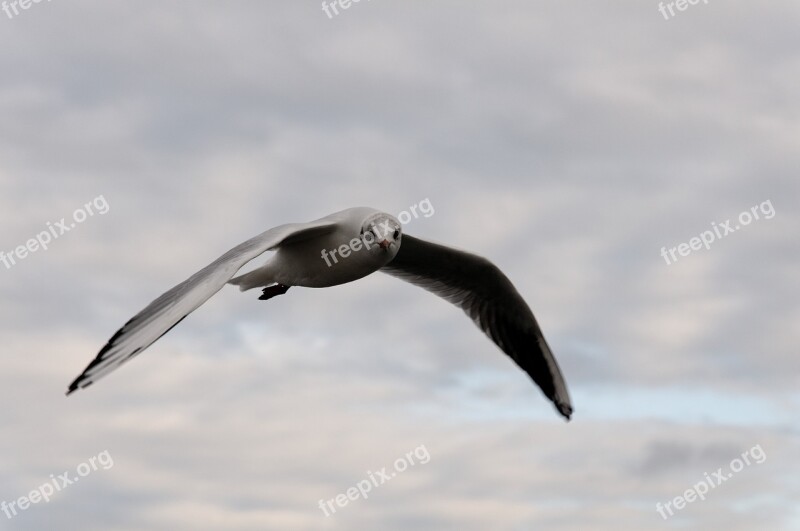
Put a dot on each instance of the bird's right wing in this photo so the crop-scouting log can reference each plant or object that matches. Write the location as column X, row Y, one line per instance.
column 147, row 326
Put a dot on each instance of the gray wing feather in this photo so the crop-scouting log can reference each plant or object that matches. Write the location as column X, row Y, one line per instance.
column 161, row 315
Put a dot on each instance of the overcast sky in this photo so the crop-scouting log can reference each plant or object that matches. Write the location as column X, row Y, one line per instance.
column 567, row 142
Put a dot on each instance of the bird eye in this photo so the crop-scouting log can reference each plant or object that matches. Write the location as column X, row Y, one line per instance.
column 396, row 233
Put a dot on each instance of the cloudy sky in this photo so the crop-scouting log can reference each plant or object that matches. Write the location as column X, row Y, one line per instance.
column 567, row 142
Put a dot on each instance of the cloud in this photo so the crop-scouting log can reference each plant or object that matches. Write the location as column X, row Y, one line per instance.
column 567, row 145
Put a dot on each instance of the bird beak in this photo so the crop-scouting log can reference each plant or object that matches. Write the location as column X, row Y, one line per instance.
column 384, row 244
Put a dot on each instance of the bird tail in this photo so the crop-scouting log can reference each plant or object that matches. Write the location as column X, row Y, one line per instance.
column 254, row 279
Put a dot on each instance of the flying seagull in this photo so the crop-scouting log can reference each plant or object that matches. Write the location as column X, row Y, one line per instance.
column 366, row 240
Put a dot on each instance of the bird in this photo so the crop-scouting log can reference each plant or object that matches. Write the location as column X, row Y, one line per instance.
column 366, row 240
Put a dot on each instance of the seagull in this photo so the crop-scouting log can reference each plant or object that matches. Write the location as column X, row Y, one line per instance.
column 366, row 240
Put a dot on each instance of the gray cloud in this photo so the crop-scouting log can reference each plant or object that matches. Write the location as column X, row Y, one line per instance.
column 567, row 143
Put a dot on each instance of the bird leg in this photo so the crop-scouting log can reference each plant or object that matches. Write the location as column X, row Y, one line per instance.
column 273, row 291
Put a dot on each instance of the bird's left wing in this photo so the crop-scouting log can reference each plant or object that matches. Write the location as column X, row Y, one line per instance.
column 147, row 326
column 479, row 288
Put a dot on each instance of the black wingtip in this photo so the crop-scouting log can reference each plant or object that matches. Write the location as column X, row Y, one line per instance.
column 565, row 410
column 75, row 385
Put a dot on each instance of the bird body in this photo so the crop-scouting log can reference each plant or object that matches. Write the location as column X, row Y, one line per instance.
column 301, row 262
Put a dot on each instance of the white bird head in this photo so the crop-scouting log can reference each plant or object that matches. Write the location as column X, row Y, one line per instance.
column 381, row 234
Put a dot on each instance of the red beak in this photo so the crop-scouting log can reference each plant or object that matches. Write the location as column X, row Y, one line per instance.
column 384, row 244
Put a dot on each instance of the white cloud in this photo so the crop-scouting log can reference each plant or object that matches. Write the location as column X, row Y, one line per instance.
column 567, row 143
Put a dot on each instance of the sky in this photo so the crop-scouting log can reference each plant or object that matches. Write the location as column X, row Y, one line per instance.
column 632, row 171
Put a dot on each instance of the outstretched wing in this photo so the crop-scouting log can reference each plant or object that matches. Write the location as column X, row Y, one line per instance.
column 158, row 318
column 479, row 288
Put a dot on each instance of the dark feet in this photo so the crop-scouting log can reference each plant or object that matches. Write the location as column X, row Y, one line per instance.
column 273, row 291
